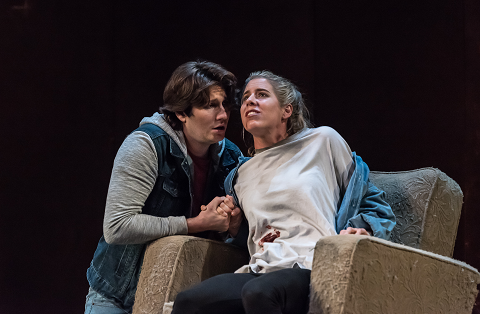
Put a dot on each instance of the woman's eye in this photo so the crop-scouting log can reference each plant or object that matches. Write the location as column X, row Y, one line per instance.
column 262, row 95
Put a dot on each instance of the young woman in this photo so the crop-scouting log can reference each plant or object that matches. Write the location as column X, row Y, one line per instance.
column 302, row 184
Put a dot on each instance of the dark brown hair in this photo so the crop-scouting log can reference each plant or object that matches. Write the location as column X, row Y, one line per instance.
column 190, row 86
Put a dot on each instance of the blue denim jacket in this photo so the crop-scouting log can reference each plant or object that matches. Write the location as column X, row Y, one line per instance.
column 363, row 205
column 115, row 269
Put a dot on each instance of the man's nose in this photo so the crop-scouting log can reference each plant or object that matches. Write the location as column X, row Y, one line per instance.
column 222, row 115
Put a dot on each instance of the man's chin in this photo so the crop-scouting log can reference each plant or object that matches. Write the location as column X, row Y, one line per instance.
column 219, row 138
column 218, row 135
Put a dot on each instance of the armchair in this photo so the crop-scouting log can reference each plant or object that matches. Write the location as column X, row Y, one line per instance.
column 412, row 273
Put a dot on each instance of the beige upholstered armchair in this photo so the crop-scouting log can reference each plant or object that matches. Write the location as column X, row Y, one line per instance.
column 412, row 273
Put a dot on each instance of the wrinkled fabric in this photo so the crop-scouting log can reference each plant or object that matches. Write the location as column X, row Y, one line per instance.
column 360, row 205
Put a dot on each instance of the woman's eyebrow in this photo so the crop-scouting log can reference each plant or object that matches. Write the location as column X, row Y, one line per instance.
column 257, row 90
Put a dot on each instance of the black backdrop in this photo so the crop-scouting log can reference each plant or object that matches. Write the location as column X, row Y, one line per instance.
column 398, row 79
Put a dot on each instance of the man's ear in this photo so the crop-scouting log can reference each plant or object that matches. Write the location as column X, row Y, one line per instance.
column 287, row 111
column 181, row 116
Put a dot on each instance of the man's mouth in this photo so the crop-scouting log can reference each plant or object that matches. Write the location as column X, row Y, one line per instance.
column 220, row 128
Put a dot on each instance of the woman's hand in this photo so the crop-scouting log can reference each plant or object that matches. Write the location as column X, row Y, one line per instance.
column 357, row 231
column 227, row 207
column 209, row 218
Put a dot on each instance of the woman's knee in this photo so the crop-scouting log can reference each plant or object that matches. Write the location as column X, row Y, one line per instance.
column 254, row 292
column 186, row 302
column 283, row 291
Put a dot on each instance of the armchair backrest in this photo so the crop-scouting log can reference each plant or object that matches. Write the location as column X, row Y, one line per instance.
column 427, row 204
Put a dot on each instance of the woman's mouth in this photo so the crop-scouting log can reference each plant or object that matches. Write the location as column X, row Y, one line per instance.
column 250, row 113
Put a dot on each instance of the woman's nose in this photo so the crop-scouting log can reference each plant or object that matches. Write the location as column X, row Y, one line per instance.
column 250, row 99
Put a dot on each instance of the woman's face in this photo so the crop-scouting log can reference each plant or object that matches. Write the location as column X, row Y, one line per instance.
column 261, row 111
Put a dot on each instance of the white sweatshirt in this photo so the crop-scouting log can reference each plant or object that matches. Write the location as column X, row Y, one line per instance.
column 289, row 193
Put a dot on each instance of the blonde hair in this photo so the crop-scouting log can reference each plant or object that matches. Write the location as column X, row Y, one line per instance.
column 287, row 93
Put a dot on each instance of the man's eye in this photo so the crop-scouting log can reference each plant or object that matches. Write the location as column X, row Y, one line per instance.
column 227, row 106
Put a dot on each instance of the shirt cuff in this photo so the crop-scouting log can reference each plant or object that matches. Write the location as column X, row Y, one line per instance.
column 178, row 225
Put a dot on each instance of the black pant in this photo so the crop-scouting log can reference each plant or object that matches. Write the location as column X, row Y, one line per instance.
column 283, row 291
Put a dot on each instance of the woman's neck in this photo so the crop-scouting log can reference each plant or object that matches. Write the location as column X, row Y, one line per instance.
column 269, row 139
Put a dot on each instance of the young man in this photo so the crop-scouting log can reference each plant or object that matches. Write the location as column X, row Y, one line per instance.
column 163, row 173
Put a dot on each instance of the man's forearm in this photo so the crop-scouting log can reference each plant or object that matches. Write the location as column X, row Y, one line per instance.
column 143, row 228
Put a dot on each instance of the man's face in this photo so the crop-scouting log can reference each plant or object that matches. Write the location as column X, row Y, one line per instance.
column 207, row 124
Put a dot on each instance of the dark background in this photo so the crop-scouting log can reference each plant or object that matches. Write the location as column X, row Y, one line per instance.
column 399, row 80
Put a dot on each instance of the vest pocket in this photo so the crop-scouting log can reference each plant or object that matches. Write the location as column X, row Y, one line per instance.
column 176, row 200
column 170, row 187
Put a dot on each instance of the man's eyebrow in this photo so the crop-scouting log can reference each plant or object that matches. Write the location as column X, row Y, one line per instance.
column 224, row 96
column 216, row 99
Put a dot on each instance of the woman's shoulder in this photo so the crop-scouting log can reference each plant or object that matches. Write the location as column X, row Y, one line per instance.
column 325, row 131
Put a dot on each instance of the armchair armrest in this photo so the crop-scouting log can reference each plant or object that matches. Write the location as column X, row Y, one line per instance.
column 174, row 263
column 361, row 274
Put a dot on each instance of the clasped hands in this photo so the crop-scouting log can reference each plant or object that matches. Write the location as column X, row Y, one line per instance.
column 220, row 214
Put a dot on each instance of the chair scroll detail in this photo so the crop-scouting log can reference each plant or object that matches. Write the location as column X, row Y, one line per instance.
column 174, row 263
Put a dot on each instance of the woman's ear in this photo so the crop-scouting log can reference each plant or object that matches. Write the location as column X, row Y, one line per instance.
column 181, row 116
column 287, row 111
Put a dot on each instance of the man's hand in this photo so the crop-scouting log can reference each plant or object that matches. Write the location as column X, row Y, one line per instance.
column 357, row 231
column 209, row 218
column 228, row 207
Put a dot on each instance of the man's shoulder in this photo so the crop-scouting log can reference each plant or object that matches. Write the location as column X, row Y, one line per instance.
column 229, row 154
column 232, row 148
column 162, row 141
column 152, row 130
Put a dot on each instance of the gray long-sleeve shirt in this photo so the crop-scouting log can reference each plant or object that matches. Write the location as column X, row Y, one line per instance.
column 134, row 174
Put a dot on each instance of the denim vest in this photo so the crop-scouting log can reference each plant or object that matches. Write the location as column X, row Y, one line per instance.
column 363, row 205
column 115, row 269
